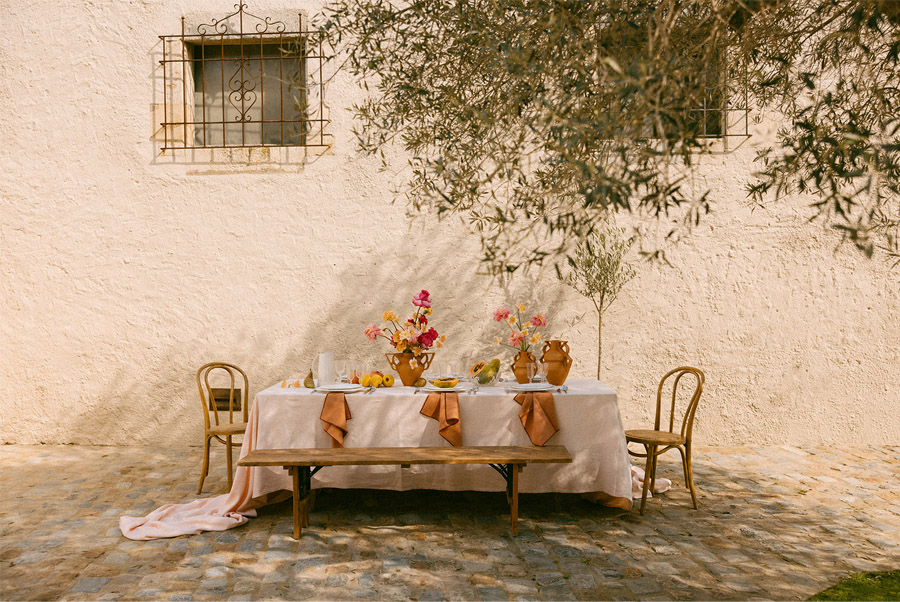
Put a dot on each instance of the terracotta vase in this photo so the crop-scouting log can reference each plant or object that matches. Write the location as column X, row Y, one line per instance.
column 522, row 359
column 558, row 361
column 410, row 367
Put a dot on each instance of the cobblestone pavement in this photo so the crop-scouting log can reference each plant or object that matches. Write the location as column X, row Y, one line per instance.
column 774, row 523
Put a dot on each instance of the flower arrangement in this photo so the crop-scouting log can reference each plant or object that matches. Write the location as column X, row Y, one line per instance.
column 412, row 336
column 521, row 335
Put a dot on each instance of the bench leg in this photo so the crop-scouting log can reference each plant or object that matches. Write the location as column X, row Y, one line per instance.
column 302, row 496
column 514, row 497
column 295, row 474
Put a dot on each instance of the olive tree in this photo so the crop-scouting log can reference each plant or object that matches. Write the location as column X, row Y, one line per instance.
column 535, row 120
column 599, row 270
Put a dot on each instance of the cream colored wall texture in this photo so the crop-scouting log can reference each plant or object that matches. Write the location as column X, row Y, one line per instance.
column 123, row 270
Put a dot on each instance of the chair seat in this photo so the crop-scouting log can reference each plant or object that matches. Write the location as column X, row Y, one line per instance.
column 228, row 429
column 654, row 437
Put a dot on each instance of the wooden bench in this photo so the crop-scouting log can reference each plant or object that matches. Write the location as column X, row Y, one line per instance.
column 304, row 463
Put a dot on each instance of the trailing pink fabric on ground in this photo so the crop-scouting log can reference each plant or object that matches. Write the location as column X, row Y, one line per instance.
column 219, row 513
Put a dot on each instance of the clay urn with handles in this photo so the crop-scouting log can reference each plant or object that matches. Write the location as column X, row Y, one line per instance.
column 558, row 361
column 408, row 366
column 519, row 366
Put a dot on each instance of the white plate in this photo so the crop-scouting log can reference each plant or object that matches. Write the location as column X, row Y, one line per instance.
column 531, row 387
column 340, row 388
column 457, row 389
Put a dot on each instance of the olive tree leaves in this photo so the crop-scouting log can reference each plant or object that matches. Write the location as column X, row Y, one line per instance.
column 535, row 120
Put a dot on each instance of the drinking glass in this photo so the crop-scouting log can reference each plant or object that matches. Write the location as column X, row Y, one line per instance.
column 531, row 368
column 340, row 366
column 542, row 372
column 451, row 370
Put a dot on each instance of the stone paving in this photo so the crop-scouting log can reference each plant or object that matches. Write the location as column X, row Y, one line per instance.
column 778, row 523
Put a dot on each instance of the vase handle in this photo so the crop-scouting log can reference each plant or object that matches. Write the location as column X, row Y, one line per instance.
column 393, row 361
column 564, row 346
column 424, row 360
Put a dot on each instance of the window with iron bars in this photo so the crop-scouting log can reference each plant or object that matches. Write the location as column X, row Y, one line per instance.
column 242, row 81
column 711, row 106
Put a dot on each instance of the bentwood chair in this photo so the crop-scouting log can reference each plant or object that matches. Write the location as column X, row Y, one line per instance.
column 663, row 437
column 230, row 402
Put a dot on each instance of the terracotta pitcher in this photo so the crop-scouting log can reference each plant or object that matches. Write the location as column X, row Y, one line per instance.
column 522, row 359
column 410, row 367
column 558, row 361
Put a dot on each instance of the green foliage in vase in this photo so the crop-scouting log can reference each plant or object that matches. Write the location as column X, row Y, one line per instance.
column 599, row 270
column 534, row 120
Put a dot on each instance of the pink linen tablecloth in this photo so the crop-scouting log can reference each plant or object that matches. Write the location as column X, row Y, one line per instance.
column 590, row 427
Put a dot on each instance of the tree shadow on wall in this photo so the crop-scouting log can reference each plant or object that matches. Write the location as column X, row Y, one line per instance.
column 161, row 404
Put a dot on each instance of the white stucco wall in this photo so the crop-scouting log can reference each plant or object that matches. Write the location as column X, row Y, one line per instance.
column 121, row 271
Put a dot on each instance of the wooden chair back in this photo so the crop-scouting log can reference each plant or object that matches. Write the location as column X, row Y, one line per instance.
column 687, row 422
column 234, row 376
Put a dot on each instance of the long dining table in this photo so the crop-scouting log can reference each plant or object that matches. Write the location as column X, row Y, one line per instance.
column 590, row 427
column 285, row 417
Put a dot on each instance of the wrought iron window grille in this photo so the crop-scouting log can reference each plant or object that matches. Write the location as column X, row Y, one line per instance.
column 243, row 81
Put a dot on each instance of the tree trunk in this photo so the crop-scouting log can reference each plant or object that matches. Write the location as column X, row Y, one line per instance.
column 599, row 341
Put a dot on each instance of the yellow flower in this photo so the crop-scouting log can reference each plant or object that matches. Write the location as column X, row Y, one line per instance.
column 527, row 324
column 511, row 319
column 401, row 346
column 536, row 338
column 524, row 332
column 496, row 340
column 427, row 311
column 521, row 307
column 438, row 344
column 388, row 316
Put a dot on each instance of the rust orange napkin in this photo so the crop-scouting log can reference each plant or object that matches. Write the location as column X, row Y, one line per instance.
column 538, row 415
column 444, row 407
column 335, row 414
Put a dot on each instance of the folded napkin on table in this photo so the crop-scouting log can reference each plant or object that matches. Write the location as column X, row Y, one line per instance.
column 444, row 407
column 538, row 415
column 335, row 414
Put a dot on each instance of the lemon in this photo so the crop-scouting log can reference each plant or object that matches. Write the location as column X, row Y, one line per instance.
column 376, row 380
column 365, row 380
column 388, row 380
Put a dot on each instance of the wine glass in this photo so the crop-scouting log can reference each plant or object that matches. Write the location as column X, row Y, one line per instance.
column 542, row 372
column 451, row 370
column 340, row 366
column 531, row 368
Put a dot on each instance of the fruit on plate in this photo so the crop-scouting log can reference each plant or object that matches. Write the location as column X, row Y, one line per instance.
column 308, row 382
column 485, row 372
column 445, row 382
column 388, row 380
column 421, row 382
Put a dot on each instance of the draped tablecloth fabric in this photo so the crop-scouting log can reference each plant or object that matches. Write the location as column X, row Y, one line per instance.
column 589, row 421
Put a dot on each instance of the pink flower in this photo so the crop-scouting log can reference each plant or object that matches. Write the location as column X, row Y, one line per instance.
column 516, row 338
column 372, row 331
column 538, row 320
column 423, row 299
column 501, row 313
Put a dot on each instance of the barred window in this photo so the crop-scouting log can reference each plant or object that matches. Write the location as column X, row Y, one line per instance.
column 242, row 81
